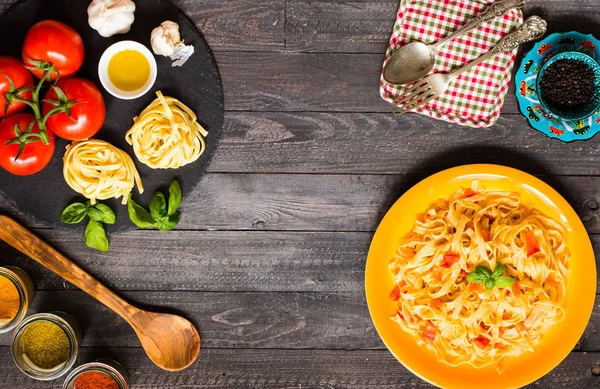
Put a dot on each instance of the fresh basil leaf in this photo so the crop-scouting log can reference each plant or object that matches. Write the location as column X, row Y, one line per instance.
column 107, row 214
column 139, row 216
column 95, row 236
column 174, row 220
column 498, row 271
column 484, row 270
column 94, row 214
column 174, row 197
column 74, row 213
column 168, row 223
column 505, row 282
column 490, row 283
column 158, row 206
column 476, row 278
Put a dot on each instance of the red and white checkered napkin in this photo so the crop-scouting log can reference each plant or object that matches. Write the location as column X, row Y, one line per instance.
column 476, row 97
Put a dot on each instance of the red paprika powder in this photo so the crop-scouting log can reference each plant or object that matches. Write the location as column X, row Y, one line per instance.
column 95, row 380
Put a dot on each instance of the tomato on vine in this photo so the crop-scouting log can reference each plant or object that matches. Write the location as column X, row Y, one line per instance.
column 78, row 107
column 54, row 47
column 21, row 151
column 13, row 76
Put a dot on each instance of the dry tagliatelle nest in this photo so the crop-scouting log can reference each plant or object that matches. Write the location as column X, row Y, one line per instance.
column 99, row 170
column 167, row 135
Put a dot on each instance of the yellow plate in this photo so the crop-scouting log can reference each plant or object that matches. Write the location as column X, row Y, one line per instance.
column 560, row 338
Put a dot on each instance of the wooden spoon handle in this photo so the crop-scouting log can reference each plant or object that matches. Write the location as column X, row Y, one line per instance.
column 26, row 242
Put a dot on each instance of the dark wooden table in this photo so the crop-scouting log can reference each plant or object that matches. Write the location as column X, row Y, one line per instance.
column 269, row 257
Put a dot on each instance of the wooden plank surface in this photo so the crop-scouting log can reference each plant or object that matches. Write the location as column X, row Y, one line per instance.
column 306, row 369
column 340, row 26
column 378, row 143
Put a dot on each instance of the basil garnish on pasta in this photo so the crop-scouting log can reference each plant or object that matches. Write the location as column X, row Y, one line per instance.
column 483, row 275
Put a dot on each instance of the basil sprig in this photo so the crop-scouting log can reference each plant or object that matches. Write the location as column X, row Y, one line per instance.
column 162, row 214
column 483, row 275
column 95, row 235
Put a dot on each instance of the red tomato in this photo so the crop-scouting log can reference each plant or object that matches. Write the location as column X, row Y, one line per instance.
column 485, row 234
column 481, row 341
column 436, row 303
column 430, row 330
column 35, row 155
column 470, row 192
column 395, row 294
column 21, row 78
column 449, row 259
column 531, row 242
column 87, row 116
column 56, row 43
column 516, row 289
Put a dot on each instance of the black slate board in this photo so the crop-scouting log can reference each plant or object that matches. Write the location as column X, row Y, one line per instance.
column 44, row 195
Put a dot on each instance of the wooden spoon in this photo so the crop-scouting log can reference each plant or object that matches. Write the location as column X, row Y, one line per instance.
column 170, row 341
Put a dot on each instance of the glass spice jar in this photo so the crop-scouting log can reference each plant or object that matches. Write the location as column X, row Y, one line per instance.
column 18, row 350
column 14, row 281
column 111, row 368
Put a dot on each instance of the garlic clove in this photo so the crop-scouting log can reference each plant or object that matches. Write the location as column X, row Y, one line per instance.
column 110, row 17
column 166, row 40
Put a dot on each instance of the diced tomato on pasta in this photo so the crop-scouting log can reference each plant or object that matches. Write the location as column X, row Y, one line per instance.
column 481, row 341
column 531, row 242
column 437, row 276
column 476, row 287
column 485, row 234
column 395, row 295
column 470, row 192
column 449, row 260
column 551, row 281
column 430, row 331
column 515, row 289
column 436, row 303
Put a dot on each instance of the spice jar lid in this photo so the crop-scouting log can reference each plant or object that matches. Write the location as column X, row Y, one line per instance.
column 99, row 373
column 45, row 346
column 16, row 292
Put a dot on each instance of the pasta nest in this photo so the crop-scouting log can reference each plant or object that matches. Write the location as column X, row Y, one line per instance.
column 167, row 135
column 99, row 170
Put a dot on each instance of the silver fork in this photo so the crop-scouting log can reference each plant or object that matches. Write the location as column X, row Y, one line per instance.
column 435, row 85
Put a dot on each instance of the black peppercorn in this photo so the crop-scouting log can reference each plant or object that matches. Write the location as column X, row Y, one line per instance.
column 567, row 86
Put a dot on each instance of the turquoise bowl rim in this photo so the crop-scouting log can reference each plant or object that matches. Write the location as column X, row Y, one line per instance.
column 590, row 61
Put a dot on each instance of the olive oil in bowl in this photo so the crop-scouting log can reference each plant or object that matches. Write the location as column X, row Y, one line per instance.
column 127, row 69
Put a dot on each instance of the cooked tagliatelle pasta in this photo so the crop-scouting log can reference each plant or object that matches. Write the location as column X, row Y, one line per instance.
column 449, row 296
column 167, row 135
column 99, row 170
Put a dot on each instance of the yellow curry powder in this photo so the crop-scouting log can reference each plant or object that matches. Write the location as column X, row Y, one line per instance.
column 45, row 344
column 10, row 302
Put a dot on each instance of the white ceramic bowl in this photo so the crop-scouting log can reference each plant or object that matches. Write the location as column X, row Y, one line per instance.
column 103, row 69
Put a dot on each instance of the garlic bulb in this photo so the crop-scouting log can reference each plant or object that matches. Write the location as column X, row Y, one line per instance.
column 166, row 40
column 110, row 17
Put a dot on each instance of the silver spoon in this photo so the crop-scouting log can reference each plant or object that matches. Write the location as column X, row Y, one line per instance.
column 414, row 60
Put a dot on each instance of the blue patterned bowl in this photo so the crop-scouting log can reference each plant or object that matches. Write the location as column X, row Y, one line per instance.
column 594, row 103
